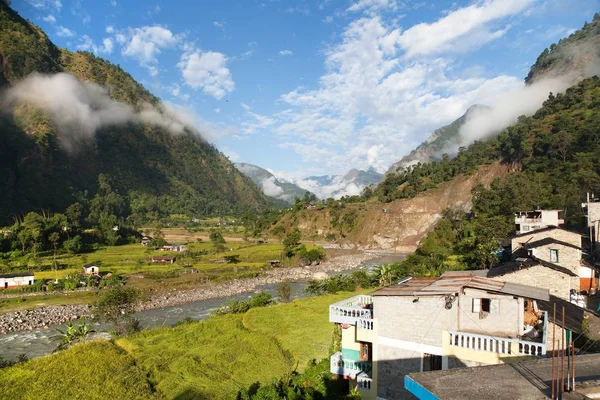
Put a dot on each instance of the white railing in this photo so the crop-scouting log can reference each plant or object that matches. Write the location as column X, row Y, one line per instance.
column 500, row 345
column 349, row 310
column 362, row 323
column 347, row 367
column 363, row 381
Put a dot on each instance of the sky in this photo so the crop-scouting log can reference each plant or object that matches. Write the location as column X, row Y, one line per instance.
column 316, row 87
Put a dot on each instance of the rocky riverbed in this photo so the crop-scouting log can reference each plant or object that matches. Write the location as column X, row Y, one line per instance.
column 55, row 315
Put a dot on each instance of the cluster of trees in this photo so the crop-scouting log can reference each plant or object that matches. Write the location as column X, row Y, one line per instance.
column 99, row 220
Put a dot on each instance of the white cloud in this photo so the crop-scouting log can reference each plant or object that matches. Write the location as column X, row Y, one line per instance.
column 46, row 4
column 113, row 3
column 146, row 43
column 256, row 122
column 50, row 19
column 219, row 25
column 110, row 29
column 245, row 106
column 270, row 188
column 62, row 31
column 374, row 5
column 87, row 44
column 461, row 29
column 285, row 53
column 207, row 71
column 373, row 104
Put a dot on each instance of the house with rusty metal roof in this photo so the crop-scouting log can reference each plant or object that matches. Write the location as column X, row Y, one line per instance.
column 421, row 324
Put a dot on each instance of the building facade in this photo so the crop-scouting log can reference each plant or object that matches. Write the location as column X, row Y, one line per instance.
column 527, row 221
column 457, row 320
column 16, row 280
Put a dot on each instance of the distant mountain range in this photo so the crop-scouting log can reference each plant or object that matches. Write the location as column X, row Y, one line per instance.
column 323, row 186
column 436, row 144
column 336, row 186
column 271, row 186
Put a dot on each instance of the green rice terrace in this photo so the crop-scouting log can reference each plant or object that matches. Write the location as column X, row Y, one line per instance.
column 200, row 360
column 202, row 263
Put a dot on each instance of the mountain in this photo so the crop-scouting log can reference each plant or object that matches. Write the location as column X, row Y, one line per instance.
column 271, row 186
column 69, row 117
column 436, row 144
column 578, row 55
column 336, row 186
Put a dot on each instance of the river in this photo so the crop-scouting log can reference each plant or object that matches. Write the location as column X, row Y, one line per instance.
column 39, row 342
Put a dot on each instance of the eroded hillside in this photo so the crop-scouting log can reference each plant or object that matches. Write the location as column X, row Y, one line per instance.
column 395, row 226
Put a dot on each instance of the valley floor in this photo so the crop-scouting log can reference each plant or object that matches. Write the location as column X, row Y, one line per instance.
column 34, row 313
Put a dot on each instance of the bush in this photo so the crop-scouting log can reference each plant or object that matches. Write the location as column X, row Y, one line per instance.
column 114, row 280
column 73, row 245
column 241, row 306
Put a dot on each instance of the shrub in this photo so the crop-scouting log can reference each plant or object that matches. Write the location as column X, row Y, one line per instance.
column 262, row 299
column 284, row 290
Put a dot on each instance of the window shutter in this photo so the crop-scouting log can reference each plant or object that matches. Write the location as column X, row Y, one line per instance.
column 495, row 306
column 476, row 305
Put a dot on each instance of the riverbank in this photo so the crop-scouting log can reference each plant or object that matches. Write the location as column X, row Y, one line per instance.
column 44, row 317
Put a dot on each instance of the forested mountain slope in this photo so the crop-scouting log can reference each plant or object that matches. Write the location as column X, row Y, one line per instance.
column 48, row 161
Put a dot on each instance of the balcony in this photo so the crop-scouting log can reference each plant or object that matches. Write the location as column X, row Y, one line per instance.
column 364, row 381
column 347, row 367
column 501, row 345
column 353, row 311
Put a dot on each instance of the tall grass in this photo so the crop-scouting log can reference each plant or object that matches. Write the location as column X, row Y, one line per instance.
column 95, row 370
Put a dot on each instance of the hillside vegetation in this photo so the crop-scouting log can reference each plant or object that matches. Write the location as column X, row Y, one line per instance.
column 158, row 172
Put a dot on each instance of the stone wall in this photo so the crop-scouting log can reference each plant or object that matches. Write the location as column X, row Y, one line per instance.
column 568, row 256
column 558, row 283
column 393, row 365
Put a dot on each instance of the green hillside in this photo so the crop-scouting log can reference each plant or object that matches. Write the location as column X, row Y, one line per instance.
column 159, row 173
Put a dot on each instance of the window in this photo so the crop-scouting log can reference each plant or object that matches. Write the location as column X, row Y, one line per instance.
column 490, row 306
column 554, row 255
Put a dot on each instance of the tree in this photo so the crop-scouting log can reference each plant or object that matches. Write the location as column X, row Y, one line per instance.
column 217, row 240
column 284, row 290
column 118, row 306
column 54, row 238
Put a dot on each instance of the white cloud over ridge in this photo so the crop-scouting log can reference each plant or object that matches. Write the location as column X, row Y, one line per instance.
column 80, row 109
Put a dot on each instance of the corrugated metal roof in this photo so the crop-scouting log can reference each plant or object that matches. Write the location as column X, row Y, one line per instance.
column 455, row 281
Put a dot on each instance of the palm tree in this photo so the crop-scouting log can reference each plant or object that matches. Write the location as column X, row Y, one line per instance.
column 385, row 274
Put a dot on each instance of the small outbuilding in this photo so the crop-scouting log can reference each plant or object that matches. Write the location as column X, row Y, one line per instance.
column 91, row 269
column 15, row 280
column 163, row 259
column 146, row 240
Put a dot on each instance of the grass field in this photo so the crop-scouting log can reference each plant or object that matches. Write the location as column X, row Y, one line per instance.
column 95, row 370
column 212, row 359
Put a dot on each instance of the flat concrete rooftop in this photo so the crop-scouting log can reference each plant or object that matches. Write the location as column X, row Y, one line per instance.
column 524, row 380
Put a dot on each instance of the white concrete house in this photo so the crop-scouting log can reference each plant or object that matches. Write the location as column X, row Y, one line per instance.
column 456, row 320
column 527, row 221
column 16, row 280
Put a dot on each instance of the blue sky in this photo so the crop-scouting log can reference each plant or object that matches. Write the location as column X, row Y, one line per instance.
column 316, row 87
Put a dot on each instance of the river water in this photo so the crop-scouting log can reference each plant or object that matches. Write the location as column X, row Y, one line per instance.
column 39, row 342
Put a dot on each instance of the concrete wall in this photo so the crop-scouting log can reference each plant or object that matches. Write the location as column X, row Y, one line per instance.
column 393, row 364
column 15, row 282
column 557, row 283
column 350, row 347
column 507, row 322
column 421, row 322
column 568, row 257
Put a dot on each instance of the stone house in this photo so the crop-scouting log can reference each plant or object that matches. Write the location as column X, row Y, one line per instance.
column 91, row 269
column 457, row 320
column 163, row 259
column 550, row 258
